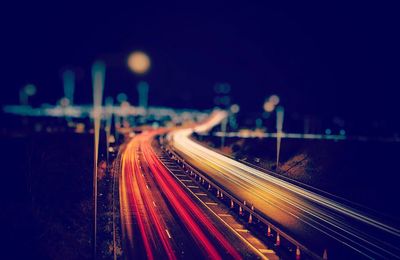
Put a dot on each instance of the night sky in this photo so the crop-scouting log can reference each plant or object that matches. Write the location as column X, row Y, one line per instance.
column 324, row 60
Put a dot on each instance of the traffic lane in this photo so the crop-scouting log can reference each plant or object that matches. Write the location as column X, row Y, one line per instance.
column 337, row 208
column 270, row 206
column 160, row 237
column 203, row 231
column 182, row 241
column 175, row 197
column 234, row 230
column 126, row 211
column 143, row 229
column 302, row 218
column 131, row 218
column 348, row 228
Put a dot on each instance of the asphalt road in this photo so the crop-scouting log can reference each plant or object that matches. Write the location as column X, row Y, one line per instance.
column 318, row 222
column 159, row 219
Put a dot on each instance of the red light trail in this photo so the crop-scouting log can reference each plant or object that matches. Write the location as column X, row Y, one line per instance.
column 137, row 197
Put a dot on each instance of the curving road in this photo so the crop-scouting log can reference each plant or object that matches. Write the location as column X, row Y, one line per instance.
column 316, row 221
column 159, row 220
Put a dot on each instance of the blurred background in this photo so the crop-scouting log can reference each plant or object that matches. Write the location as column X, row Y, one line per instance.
column 325, row 60
column 333, row 68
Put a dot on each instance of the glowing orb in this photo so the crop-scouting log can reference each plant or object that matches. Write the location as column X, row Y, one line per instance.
column 274, row 99
column 235, row 108
column 269, row 106
column 139, row 62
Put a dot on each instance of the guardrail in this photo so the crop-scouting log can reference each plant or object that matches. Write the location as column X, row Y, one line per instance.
column 284, row 178
column 245, row 208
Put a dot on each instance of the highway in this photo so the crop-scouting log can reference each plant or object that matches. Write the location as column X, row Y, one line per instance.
column 316, row 221
column 159, row 220
column 143, row 227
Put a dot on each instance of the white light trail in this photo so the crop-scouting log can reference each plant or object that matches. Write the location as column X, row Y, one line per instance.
column 268, row 192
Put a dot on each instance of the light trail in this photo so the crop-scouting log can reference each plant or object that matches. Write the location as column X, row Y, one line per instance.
column 129, row 204
column 192, row 217
column 315, row 220
column 98, row 74
column 136, row 196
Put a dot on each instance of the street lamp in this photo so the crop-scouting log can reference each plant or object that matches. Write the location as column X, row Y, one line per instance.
column 234, row 109
column 98, row 74
column 139, row 62
column 25, row 92
column 279, row 133
column 270, row 105
column 69, row 86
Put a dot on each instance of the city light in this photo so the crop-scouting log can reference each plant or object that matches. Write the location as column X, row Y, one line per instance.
column 274, row 99
column 269, row 106
column 207, row 132
column 235, row 108
column 139, row 62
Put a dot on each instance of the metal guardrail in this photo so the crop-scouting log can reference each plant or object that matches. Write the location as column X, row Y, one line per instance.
column 244, row 206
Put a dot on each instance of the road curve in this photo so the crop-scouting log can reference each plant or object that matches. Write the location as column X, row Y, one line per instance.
column 316, row 221
column 144, row 228
column 136, row 202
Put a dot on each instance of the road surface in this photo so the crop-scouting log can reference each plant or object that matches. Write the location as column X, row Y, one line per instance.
column 318, row 222
column 159, row 220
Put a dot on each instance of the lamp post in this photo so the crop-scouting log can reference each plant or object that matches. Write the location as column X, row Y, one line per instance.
column 279, row 133
column 234, row 110
column 25, row 93
column 139, row 63
column 98, row 73
column 270, row 105
column 69, row 86
column 109, row 113
column 143, row 90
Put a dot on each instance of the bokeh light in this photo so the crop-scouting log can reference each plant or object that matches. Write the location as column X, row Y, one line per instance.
column 328, row 131
column 235, row 108
column 121, row 97
column 30, row 89
column 269, row 106
column 139, row 62
column 274, row 99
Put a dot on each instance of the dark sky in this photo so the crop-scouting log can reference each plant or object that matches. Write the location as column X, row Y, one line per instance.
column 325, row 59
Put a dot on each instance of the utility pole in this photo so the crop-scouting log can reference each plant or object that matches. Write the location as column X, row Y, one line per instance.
column 279, row 125
column 69, row 86
column 98, row 73
column 109, row 111
column 25, row 93
column 223, row 130
column 143, row 89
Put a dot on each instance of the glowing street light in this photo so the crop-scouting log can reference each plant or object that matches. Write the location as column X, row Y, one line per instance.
column 235, row 108
column 98, row 74
column 30, row 89
column 271, row 103
column 122, row 97
column 109, row 113
column 25, row 92
column 274, row 99
column 279, row 133
column 268, row 106
column 143, row 90
column 139, row 62
column 69, row 86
